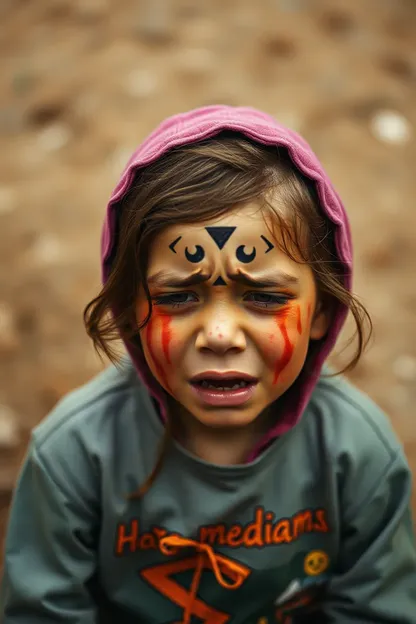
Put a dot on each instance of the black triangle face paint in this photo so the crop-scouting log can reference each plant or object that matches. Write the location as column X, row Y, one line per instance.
column 220, row 234
column 219, row 282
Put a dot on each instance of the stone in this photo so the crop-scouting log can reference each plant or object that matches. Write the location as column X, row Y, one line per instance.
column 140, row 83
column 404, row 367
column 47, row 250
column 389, row 126
column 195, row 62
column 154, row 22
column 54, row 137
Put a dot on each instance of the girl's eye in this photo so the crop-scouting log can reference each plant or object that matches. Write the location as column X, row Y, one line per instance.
column 266, row 300
column 175, row 299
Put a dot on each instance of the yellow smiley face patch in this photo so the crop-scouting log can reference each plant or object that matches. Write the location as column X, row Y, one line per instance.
column 316, row 562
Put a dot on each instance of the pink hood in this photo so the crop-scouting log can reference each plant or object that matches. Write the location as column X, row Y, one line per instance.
column 206, row 122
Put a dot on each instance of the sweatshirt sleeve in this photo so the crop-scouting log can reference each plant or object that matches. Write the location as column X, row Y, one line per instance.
column 376, row 580
column 49, row 554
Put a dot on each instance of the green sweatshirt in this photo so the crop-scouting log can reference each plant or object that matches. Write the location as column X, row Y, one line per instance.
column 319, row 521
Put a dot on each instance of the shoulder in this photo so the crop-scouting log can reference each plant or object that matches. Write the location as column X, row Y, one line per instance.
column 351, row 418
column 352, row 436
column 89, row 415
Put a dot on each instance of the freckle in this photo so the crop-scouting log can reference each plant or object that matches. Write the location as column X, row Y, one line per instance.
column 219, row 335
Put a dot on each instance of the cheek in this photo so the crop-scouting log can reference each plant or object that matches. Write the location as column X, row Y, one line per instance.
column 286, row 342
column 157, row 339
column 163, row 346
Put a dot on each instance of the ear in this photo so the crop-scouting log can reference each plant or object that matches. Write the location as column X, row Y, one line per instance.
column 320, row 321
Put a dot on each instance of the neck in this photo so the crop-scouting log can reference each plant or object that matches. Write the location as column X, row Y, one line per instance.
column 221, row 446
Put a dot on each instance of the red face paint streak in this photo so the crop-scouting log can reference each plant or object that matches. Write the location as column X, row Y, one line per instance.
column 287, row 349
column 166, row 336
column 309, row 313
column 149, row 335
column 299, row 323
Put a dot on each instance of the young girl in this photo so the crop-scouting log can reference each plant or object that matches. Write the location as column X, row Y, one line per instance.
column 217, row 474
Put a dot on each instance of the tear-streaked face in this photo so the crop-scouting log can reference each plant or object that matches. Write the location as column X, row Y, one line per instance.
column 232, row 317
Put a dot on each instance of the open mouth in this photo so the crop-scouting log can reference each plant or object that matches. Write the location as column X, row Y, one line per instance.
column 224, row 384
column 224, row 389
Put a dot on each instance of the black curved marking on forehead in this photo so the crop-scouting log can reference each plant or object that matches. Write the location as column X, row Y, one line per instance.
column 270, row 246
column 219, row 282
column 242, row 256
column 197, row 256
column 172, row 245
column 220, row 234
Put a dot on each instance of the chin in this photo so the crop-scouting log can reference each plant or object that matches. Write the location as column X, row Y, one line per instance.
column 225, row 418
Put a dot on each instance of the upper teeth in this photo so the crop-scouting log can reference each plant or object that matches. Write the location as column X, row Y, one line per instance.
column 241, row 384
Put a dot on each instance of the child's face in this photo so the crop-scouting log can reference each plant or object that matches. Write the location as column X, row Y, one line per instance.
column 227, row 300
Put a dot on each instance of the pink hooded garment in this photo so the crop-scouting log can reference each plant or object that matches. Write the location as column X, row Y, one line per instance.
column 206, row 122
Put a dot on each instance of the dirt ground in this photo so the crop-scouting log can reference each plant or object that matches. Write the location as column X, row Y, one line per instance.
column 83, row 81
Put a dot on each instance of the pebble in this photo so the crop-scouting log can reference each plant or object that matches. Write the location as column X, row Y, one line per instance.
column 9, row 428
column 389, row 126
column 154, row 21
column 47, row 250
column 141, row 83
column 54, row 137
column 195, row 62
column 8, row 200
column 404, row 367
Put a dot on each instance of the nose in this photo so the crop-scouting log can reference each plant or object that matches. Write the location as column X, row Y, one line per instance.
column 221, row 334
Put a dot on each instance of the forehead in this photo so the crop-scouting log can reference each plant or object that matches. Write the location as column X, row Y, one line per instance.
column 247, row 226
column 243, row 239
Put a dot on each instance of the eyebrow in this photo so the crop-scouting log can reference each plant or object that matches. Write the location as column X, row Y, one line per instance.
column 174, row 280
column 264, row 280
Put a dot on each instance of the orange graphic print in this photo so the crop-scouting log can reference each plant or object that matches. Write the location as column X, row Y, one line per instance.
column 283, row 613
column 264, row 530
column 160, row 578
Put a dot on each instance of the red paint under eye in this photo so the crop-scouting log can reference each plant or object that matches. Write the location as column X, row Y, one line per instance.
column 287, row 348
column 299, row 323
column 166, row 335
column 149, row 339
column 309, row 312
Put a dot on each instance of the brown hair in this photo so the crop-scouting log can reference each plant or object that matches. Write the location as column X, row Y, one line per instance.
column 196, row 183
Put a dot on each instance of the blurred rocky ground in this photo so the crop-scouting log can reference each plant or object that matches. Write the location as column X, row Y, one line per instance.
column 83, row 81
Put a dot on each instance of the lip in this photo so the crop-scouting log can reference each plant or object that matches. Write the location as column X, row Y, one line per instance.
column 224, row 398
column 219, row 375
